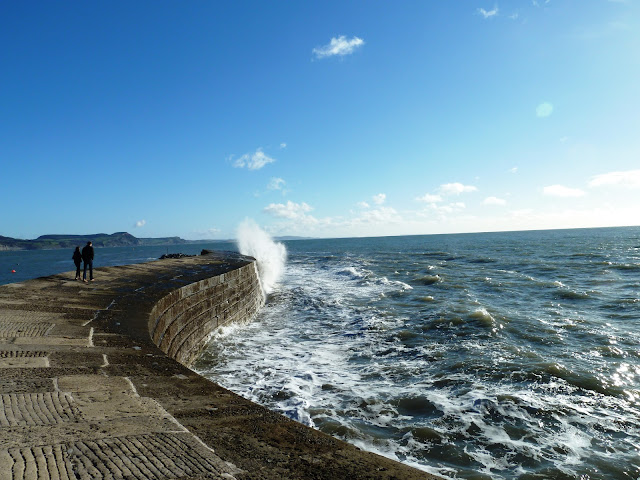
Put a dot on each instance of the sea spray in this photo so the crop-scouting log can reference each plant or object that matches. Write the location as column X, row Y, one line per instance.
column 271, row 256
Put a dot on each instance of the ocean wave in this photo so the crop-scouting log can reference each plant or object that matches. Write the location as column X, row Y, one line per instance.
column 428, row 279
column 568, row 294
column 353, row 273
column 483, row 317
column 425, row 298
column 634, row 267
column 482, row 260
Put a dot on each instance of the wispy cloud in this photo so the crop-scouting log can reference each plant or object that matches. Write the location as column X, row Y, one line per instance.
column 514, row 170
column 207, row 234
column 290, row 210
column 276, row 184
column 456, row 188
column 544, row 109
column 446, row 209
column 562, row 191
column 283, row 145
column 380, row 215
column 630, row 178
column 494, row 201
column 253, row 161
column 428, row 198
column 379, row 198
column 340, row 46
column 140, row 223
column 488, row 13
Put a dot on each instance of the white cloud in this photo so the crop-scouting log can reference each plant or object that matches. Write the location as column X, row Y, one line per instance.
column 338, row 46
column 283, row 145
column 379, row 198
column 253, row 161
column 140, row 223
column 494, row 201
column 276, row 184
column 514, row 170
column 456, row 188
column 630, row 178
column 290, row 210
column 443, row 210
column 562, row 191
column 380, row 215
column 363, row 204
column 544, row 109
column 488, row 13
column 428, row 198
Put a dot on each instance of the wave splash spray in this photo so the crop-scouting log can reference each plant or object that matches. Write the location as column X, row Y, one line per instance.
column 271, row 256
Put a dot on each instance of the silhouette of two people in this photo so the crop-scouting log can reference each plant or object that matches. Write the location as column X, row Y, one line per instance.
column 85, row 256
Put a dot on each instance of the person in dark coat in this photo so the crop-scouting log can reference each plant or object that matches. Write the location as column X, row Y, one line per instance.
column 87, row 257
column 77, row 259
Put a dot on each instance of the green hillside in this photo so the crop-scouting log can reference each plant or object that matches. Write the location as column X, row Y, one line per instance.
column 119, row 239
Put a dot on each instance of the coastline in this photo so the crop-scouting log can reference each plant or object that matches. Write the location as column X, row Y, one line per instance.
column 88, row 348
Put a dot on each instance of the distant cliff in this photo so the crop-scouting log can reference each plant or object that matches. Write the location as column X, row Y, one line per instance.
column 119, row 239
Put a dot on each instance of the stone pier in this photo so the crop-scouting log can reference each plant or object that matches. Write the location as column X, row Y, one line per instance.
column 94, row 383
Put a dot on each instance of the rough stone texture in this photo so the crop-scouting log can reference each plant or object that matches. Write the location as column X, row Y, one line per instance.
column 89, row 388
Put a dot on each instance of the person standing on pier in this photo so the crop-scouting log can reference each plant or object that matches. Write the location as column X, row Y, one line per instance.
column 87, row 257
column 77, row 259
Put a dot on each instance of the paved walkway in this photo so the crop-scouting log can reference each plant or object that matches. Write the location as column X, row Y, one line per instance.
column 84, row 394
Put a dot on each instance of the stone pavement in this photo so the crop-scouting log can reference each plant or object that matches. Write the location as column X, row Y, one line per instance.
column 85, row 394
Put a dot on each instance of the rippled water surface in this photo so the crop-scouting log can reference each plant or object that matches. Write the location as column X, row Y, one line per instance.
column 506, row 355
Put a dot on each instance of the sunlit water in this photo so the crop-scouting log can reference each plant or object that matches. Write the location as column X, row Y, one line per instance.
column 507, row 355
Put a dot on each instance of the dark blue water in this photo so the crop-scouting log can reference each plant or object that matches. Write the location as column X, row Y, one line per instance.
column 499, row 355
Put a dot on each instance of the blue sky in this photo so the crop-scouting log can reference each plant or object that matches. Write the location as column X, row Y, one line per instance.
column 326, row 119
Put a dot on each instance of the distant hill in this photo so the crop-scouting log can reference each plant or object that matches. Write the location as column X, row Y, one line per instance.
column 119, row 239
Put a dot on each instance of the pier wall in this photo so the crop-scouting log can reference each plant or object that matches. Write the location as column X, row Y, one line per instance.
column 181, row 323
column 94, row 383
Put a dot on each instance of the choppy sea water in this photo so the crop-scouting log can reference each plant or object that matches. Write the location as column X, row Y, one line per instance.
column 476, row 356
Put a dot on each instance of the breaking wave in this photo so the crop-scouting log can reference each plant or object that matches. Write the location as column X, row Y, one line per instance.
column 271, row 256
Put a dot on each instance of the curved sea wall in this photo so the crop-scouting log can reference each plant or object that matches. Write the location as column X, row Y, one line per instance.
column 93, row 383
column 181, row 323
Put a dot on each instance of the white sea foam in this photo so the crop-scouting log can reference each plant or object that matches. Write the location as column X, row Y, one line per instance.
column 271, row 256
column 353, row 273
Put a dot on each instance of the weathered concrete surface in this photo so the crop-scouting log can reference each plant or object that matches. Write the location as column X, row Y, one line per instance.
column 85, row 393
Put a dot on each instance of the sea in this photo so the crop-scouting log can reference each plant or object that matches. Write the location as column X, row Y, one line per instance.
column 512, row 355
